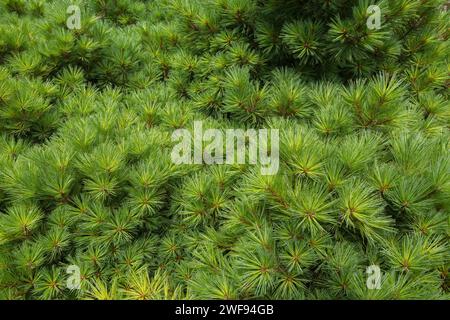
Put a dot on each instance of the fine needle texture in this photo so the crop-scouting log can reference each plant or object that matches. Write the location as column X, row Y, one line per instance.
column 93, row 205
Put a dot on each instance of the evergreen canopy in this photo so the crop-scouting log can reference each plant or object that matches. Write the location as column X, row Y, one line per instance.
column 86, row 177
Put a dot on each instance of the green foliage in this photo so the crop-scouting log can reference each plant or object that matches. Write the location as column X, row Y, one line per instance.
column 86, row 177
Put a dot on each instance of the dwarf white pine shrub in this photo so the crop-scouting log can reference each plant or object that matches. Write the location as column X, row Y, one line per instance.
column 87, row 183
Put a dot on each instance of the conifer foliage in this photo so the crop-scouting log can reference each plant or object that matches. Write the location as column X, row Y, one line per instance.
column 86, row 177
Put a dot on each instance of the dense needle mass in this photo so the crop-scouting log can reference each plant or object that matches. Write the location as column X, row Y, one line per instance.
column 87, row 179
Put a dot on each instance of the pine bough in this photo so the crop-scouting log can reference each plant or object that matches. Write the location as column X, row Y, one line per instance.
column 86, row 179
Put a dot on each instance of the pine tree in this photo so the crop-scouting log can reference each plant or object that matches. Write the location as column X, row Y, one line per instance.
column 86, row 177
